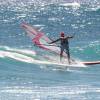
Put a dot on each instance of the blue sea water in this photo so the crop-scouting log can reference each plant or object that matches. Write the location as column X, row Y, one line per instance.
column 23, row 76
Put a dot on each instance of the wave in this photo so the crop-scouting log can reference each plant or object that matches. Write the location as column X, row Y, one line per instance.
column 30, row 56
column 25, row 7
column 39, row 4
column 89, row 51
column 74, row 4
column 58, row 92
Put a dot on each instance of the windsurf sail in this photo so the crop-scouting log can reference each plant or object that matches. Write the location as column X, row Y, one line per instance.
column 40, row 39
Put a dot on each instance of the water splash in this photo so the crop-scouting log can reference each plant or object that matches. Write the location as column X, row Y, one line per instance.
column 29, row 56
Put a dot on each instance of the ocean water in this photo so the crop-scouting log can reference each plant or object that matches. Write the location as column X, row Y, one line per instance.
column 23, row 74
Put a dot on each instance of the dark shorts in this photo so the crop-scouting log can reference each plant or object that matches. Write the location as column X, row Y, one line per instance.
column 65, row 48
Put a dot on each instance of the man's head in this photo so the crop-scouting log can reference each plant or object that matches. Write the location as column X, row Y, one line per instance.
column 62, row 34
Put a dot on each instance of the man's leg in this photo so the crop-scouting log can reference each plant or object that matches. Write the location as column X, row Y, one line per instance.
column 61, row 53
column 68, row 55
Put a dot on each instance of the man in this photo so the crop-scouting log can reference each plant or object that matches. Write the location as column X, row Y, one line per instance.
column 64, row 45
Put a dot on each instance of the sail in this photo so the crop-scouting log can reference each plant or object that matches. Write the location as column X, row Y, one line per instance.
column 40, row 39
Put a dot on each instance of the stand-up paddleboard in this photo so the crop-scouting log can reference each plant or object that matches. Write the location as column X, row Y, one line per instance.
column 42, row 41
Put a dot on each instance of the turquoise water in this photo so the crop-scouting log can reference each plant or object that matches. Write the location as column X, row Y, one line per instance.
column 23, row 74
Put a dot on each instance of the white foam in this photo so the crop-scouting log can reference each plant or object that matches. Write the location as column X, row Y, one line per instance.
column 31, row 52
column 28, row 56
column 74, row 4
column 15, row 56
column 25, row 58
column 53, row 91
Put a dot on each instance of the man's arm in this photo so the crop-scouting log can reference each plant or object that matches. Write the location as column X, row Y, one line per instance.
column 68, row 37
column 54, row 41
